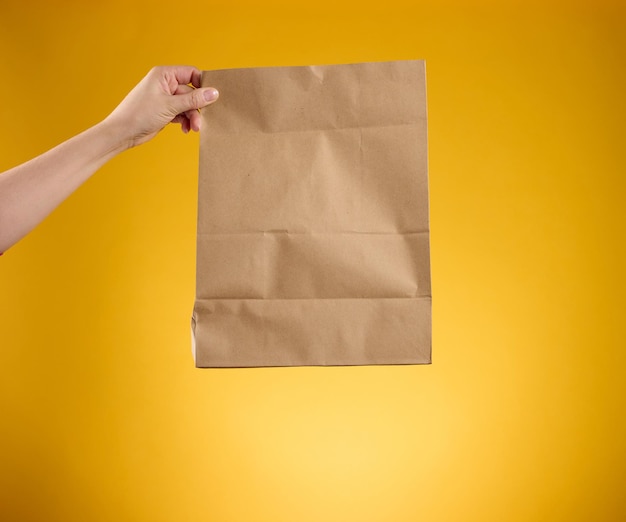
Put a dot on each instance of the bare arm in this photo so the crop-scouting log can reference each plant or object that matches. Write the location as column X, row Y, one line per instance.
column 29, row 192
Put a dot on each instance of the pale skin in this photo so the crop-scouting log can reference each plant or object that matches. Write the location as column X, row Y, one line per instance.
column 31, row 191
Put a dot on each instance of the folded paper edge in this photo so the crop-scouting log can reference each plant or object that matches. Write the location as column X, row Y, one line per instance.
column 193, row 337
column 237, row 333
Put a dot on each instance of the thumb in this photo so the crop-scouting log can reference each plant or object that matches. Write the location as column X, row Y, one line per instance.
column 195, row 99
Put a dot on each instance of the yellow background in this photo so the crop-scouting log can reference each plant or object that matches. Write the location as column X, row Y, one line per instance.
column 522, row 415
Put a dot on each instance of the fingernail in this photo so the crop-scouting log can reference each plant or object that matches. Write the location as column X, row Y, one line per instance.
column 211, row 94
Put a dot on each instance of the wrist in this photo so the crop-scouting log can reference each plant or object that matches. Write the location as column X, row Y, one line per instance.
column 115, row 135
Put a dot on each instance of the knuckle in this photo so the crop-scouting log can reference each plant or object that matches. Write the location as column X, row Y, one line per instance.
column 197, row 98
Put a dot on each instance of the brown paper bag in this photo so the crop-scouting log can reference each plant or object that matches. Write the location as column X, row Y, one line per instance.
column 313, row 231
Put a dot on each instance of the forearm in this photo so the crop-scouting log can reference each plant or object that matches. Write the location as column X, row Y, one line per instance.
column 29, row 192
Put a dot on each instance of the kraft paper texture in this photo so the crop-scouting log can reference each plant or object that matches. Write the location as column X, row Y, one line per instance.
column 313, row 223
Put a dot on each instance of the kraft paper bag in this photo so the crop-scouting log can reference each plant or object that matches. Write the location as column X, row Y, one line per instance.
column 313, row 223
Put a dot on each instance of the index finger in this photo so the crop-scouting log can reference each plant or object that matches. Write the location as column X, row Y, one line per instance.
column 186, row 74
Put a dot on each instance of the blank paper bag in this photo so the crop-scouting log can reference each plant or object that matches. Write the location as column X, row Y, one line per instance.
column 313, row 235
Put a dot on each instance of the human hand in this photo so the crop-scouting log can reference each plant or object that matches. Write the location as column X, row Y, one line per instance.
column 163, row 96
